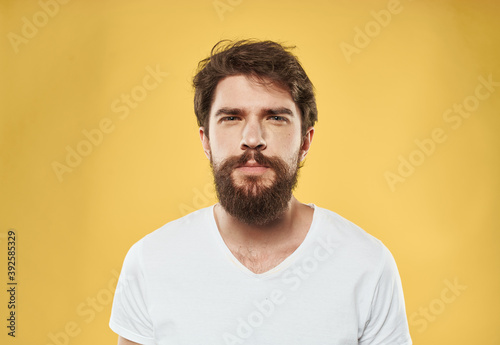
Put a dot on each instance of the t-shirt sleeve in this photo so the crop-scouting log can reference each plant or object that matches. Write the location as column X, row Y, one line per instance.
column 387, row 323
column 129, row 315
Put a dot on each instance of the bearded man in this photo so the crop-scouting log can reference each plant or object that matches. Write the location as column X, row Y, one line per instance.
column 258, row 267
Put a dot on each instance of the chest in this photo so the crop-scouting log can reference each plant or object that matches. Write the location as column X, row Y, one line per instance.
column 260, row 260
column 308, row 300
column 291, row 309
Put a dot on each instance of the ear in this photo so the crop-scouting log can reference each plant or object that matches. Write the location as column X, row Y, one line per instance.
column 306, row 143
column 205, row 142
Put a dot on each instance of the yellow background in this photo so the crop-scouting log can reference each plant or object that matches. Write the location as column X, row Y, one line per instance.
column 441, row 223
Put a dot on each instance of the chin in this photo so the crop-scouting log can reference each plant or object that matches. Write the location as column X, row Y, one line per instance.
column 260, row 184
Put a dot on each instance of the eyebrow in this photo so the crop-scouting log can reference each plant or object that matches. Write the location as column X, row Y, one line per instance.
column 227, row 111
column 278, row 111
column 266, row 111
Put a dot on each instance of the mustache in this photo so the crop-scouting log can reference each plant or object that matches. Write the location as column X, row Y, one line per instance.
column 251, row 202
column 256, row 155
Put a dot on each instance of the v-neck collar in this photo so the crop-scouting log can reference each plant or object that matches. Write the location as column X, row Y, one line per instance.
column 281, row 266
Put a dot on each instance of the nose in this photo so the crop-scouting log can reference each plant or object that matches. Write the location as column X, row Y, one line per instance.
column 253, row 135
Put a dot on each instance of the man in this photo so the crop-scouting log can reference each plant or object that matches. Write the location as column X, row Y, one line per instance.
column 258, row 267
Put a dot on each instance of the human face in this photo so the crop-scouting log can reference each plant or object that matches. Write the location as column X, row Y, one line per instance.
column 255, row 147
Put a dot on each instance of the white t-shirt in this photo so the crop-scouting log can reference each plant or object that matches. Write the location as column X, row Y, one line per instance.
column 182, row 285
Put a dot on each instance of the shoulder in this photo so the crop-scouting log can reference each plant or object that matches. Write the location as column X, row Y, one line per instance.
column 335, row 225
column 349, row 239
column 176, row 234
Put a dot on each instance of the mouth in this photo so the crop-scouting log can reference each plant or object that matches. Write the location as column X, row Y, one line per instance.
column 252, row 168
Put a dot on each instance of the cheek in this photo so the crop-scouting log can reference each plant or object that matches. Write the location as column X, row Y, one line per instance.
column 218, row 152
column 289, row 144
column 224, row 144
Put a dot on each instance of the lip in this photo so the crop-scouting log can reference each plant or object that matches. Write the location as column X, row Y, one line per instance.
column 252, row 168
column 252, row 165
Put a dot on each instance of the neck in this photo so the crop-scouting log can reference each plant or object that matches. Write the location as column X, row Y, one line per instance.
column 290, row 225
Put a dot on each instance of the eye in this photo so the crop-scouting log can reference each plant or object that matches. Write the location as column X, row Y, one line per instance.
column 278, row 118
column 229, row 118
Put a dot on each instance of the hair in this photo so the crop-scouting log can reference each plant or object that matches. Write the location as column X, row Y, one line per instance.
column 264, row 61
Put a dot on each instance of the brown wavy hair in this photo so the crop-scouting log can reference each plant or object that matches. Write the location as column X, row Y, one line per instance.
column 263, row 60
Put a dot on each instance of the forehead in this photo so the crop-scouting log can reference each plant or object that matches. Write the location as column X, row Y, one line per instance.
column 251, row 94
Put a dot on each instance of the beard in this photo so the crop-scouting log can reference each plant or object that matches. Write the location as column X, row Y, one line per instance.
column 253, row 200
